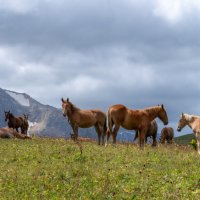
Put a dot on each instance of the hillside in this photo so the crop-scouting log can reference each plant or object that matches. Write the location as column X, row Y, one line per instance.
column 184, row 139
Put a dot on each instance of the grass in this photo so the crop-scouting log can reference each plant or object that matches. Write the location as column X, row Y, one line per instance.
column 56, row 169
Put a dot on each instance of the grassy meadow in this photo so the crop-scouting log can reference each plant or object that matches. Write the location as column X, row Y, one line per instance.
column 56, row 169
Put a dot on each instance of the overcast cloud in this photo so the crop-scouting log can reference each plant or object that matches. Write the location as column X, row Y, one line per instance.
column 102, row 52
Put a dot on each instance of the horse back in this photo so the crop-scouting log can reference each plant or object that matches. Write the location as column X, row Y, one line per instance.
column 88, row 118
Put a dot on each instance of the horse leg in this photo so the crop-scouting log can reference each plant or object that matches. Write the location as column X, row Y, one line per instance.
column 103, row 133
column 142, row 137
column 154, row 141
column 102, row 136
column 75, row 130
column 98, row 133
column 136, row 135
column 107, row 136
column 198, row 142
column 114, row 133
column 145, row 139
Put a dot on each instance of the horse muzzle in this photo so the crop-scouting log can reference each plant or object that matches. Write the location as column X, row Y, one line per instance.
column 178, row 129
column 64, row 115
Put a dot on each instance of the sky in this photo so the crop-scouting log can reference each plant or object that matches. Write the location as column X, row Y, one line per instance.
column 139, row 53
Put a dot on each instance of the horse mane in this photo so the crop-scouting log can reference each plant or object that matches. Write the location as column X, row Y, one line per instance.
column 149, row 109
column 73, row 107
column 190, row 117
column 11, row 115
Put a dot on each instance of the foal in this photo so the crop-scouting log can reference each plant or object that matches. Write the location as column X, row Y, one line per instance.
column 167, row 134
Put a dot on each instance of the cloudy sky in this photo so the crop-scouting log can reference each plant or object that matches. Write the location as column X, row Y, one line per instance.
column 102, row 52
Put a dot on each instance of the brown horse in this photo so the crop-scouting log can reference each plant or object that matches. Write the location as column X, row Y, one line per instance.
column 193, row 122
column 119, row 115
column 11, row 133
column 25, row 126
column 151, row 132
column 167, row 134
column 84, row 119
column 13, row 122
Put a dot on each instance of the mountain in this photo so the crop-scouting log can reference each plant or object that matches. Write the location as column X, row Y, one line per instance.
column 44, row 120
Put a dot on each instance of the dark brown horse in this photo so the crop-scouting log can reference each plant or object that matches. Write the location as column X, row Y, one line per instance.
column 17, row 122
column 151, row 132
column 119, row 115
column 11, row 133
column 167, row 134
column 84, row 119
column 25, row 126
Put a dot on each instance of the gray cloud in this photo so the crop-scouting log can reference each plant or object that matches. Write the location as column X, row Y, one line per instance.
column 100, row 53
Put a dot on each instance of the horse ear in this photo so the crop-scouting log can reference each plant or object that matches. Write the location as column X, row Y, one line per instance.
column 162, row 106
column 182, row 115
column 62, row 100
column 67, row 99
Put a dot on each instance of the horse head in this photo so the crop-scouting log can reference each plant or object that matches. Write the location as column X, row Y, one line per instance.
column 7, row 115
column 25, row 117
column 66, row 107
column 182, row 122
column 163, row 115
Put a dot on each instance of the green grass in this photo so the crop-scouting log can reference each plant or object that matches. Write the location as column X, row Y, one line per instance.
column 56, row 169
column 184, row 139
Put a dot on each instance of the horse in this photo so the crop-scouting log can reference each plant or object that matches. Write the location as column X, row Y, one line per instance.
column 12, row 133
column 25, row 126
column 120, row 115
column 84, row 119
column 151, row 132
column 13, row 122
column 193, row 122
column 167, row 134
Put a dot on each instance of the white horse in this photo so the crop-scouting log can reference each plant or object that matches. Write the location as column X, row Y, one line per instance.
column 193, row 122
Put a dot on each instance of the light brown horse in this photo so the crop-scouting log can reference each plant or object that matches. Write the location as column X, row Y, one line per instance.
column 167, row 134
column 84, row 119
column 12, row 133
column 193, row 122
column 120, row 115
column 151, row 132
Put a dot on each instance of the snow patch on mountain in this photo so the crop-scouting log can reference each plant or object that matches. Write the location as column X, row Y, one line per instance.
column 20, row 98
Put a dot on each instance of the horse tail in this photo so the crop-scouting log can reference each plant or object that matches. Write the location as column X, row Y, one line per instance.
column 105, row 125
column 110, row 122
column 136, row 135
